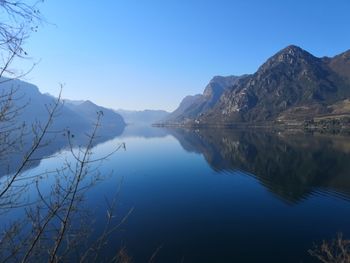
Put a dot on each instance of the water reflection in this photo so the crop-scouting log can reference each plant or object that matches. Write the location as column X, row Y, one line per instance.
column 143, row 131
column 194, row 202
column 52, row 144
column 291, row 165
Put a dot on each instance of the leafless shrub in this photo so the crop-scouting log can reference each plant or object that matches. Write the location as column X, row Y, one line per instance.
column 18, row 21
column 334, row 251
column 123, row 256
column 50, row 229
column 56, row 222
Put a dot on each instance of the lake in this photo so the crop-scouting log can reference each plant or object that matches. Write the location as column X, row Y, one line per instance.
column 218, row 195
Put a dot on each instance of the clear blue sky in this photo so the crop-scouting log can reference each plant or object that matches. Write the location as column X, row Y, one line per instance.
column 151, row 53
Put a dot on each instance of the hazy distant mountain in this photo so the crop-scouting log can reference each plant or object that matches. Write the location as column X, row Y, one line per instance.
column 292, row 85
column 193, row 106
column 145, row 117
column 74, row 102
column 88, row 110
column 35, row 103
column 77, row 117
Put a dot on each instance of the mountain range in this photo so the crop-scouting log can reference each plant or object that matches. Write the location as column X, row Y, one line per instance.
column 77, row 116
column 142, row 118
column 292, row 86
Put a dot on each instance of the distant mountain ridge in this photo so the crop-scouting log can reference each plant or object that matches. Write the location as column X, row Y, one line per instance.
column 87, row 110
column 292, row 85
column 78, row 116
column 144, row 117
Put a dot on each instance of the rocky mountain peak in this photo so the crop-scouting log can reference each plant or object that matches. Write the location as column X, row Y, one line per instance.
column 291, row 62
column 289, row 56
column 294, row 51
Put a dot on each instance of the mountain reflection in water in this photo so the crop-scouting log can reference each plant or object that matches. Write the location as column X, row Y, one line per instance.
column 217, row 195
column 291, row 165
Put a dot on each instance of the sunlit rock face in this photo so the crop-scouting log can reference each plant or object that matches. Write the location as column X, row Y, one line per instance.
column 291, row 85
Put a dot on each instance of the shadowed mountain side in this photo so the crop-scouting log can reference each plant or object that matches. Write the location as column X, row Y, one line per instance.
column 77, row 117
column 196, row 105
column 33, row 106
column 180, row 113
column 292, row 166
column 88, row 111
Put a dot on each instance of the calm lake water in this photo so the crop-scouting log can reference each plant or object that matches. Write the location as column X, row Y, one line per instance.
column 221, row 195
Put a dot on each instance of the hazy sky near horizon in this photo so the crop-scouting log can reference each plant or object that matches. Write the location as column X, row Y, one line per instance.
column 150, row 54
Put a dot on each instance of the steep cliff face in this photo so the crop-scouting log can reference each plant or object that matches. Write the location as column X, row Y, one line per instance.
column 194, row 106
column 217, row 86
column 183, row 111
